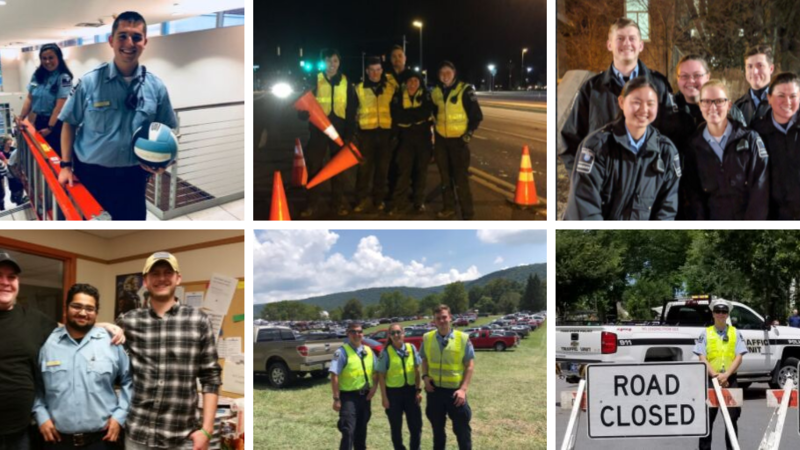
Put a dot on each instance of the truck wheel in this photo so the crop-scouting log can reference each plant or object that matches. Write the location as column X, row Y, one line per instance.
column 788, row 370
column 279, row 375
column 319, row 374
column 499, row 346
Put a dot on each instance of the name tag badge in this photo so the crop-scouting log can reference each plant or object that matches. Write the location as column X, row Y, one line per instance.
column 101, row 104
column 53, row 363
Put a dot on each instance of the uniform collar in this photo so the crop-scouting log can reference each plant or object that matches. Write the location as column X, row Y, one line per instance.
column 633, row 142
column 610, row 75
column 112, row 71
column 784, row 128
column 756, row 99
column 620, row 132
column 725, row 135
column 358, row 350
column 447, row 336
column 95, row 333
column 619, row 76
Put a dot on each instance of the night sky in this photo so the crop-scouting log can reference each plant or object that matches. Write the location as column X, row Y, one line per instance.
column 470, row 33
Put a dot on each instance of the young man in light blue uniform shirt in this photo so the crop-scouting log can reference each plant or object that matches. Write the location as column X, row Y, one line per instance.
column 76, row 405
column 100, row 117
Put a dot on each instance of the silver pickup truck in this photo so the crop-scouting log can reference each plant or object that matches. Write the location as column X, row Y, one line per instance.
column 285, row 355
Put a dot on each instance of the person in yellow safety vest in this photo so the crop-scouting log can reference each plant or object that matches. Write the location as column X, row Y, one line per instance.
column 448, row 360
column 457, row 116
column 412, row 110
column 375, row 130
column 337, row 98
column 398, row 374
column 353, row 382
column 721, row 347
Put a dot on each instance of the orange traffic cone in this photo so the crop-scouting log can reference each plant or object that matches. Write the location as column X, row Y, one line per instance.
column 309, row 103
column 526, row 189
column 346, row 158
column 280, row 209
column 299, row 171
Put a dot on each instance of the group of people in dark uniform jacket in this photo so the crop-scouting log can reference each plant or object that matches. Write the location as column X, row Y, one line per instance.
column 635, row 151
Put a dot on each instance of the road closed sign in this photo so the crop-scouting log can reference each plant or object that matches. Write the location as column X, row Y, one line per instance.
column 647, row 400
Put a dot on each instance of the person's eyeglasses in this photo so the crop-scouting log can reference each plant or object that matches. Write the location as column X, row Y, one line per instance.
column 78, row 308
column 688, row 77
column 396, row 333
column 720, row 311
column 356, row 331
column 715, row 101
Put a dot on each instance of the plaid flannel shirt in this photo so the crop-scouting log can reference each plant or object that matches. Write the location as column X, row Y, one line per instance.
column 167, row 356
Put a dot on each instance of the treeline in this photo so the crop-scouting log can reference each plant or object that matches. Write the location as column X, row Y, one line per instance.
column 499, row 296
column 640, row 269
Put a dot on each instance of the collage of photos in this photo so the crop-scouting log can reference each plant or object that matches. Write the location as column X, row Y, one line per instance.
column 324, row 289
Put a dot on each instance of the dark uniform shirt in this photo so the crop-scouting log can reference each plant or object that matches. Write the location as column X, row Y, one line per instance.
column 735, row 188
column 596, row 104
column 784, row 167
column 613, row 182
column 748, row 107
column 419, row 117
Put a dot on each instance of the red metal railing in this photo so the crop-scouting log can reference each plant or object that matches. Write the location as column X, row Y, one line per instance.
column 39, row 169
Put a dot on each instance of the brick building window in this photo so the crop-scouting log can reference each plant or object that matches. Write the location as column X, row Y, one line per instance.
column 637, row 10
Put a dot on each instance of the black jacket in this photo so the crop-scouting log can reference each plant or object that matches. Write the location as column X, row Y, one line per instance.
column 610, row 182
column 684, row 119
column 784, row 167
column 736, row 188
column 413, row 116
column 748, row 107
column 596, row 105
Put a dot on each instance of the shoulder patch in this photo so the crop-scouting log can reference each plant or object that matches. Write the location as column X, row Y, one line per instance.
column 585, row 161
column 75, row 88
column 676, row 164
column 66, row 80
column 762, row 149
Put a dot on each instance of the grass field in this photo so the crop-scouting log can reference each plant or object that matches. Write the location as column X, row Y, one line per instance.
column 508, row 397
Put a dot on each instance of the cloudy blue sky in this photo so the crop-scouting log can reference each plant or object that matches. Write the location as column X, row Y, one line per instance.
column 297, row 264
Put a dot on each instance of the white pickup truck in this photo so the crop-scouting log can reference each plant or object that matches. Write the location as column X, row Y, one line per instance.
column 773, row 351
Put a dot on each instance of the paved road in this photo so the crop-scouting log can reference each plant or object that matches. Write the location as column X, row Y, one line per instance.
column 511, row 120
column 752, row 424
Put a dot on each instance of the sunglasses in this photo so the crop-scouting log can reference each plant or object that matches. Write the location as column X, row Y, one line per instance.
column 720, row 311
column 396, row 333
column 356, row 331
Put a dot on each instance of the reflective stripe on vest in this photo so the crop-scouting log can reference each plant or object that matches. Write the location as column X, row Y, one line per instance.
column 353, row 376
column 410, row 102
column 339, row 93
column 720, row 354
column 451, row 119
column 446, row 368
column 401, row 370
column 374, row 112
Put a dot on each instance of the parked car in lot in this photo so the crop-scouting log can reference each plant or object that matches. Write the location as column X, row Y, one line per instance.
column 374, row 345
column 412, row 336
column 461, row 322
column 285, row 355
column 493, row 339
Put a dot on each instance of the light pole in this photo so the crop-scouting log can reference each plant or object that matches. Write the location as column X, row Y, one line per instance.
column 418, row 24
column 522, row 66
column 491, row 79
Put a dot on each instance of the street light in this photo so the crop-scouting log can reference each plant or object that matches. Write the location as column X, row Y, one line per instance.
column 418, row 24
column 522, row 66
column 491, row 68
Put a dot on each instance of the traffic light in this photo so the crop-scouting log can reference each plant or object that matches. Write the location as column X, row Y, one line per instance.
column 321, row 66
column 306, row 66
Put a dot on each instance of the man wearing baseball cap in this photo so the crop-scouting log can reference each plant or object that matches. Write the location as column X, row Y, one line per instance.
column 721, row 347
column 171, row 346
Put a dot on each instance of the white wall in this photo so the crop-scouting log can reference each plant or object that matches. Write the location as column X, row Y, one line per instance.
column 198, row 68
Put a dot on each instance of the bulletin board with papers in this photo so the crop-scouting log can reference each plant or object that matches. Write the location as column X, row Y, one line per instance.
column 222, row 299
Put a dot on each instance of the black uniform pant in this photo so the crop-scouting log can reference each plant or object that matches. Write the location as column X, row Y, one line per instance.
column 319, row 146
column 705, row 442
column 452, row 157
column 15, row 441
column 413, row 157
column 353, row 419
column 440, row 406
column 119, row 190
column 374, row 147
column 54, row 138
column 404, row 400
